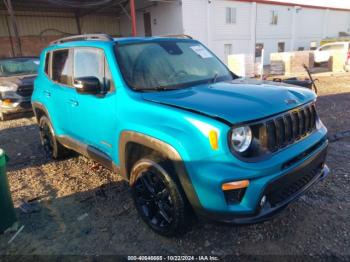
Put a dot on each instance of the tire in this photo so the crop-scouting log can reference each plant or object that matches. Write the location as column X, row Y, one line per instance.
column 52, row 148
column 158, row 197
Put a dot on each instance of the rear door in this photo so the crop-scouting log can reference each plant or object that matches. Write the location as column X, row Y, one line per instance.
column 94, row 117
column 60, row 92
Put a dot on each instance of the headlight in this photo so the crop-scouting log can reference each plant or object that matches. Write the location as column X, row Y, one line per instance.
column 7, row 87
column 241, row 137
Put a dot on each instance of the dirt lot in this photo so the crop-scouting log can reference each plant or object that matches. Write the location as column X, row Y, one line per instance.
column 316, row 224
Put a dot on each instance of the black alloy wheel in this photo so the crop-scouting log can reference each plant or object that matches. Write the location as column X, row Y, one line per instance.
column 51, row 145
column 47, row 140
column 158, row 198
column 154, row 200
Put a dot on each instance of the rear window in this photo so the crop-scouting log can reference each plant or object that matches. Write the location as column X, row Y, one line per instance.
column 61, row 67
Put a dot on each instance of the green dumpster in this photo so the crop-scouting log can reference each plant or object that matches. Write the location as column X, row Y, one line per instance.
column 7, row 211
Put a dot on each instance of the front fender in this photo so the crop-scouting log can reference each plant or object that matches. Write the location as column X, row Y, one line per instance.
column 165, row 149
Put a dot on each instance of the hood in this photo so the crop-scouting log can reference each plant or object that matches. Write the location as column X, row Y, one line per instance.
column 18, row 80
column 236, row 101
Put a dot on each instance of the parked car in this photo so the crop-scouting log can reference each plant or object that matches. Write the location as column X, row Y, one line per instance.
column 188, row 135
column 16, row 84
column 324, row 52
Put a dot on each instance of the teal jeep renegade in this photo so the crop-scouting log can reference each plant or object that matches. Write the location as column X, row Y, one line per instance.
column 190, row 136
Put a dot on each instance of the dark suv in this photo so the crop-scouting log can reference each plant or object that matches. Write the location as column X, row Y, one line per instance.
column 16, row 84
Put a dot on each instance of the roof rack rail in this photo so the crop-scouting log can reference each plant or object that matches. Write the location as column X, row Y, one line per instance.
column 177, row 36
column 102, row 37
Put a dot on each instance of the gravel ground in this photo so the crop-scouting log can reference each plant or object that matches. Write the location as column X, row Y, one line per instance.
column 86, row 210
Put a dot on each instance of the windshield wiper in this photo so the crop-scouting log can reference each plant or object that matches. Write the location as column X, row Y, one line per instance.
column 156, row 88
column 214, row 79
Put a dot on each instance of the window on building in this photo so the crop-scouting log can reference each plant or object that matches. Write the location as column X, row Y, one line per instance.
column 258, row 49
column 227, row 51
column 301, row 48
column 281, row 46
column 61, row 67
column 230, row 15
column 274, row 17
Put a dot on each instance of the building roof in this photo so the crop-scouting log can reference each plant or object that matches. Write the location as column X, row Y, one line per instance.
column 297, row 3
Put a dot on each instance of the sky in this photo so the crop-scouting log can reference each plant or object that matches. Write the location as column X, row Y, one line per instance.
column 328, row 3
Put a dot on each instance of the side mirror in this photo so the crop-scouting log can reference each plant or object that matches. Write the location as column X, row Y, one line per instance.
column 87, row 85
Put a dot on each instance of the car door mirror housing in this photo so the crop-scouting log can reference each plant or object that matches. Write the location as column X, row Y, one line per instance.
column 87, row 85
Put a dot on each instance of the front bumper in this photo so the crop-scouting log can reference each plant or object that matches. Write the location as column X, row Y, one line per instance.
column 267, row 211
column 17, row 103
column 16, row 107
column 306, row 162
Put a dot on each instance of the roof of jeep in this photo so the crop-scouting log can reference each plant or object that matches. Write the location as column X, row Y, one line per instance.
column 126, row 40
column 120, row 40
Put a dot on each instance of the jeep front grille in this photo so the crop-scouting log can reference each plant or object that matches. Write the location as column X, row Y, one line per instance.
column 289, row 127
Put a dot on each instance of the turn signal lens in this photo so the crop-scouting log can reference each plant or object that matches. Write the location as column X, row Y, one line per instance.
column 213, row 139
column 235, row 185
column 6, row 102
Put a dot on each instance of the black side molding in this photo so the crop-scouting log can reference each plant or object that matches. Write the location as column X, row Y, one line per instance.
column 89, row 151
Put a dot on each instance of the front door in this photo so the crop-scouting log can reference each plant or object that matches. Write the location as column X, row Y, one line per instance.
column 94, row 116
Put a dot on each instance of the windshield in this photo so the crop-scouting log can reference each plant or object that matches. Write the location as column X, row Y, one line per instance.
column 169, row 65
column 19, row 66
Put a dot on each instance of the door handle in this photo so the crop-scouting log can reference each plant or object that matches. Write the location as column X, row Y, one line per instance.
column 73, row 102
column 47, row 93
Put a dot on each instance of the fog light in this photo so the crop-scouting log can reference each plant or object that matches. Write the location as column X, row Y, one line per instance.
column 263, row 201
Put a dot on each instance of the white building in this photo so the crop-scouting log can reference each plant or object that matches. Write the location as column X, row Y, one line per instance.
column 240, row 26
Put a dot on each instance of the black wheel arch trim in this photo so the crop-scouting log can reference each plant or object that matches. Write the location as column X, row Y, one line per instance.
column 165, row 149
column 40, row 106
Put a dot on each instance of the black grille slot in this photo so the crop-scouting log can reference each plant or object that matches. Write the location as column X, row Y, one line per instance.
column 296, row 125
column 25, row 91
column 313, row 117
column 290, row 127
column 271, row 136
column 302, row 122
column 281, row 133
column 307, row 119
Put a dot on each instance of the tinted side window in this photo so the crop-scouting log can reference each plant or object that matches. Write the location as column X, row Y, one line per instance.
column 109, row 83
column 89, row 62
column 61, row 68
column 47, row 61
